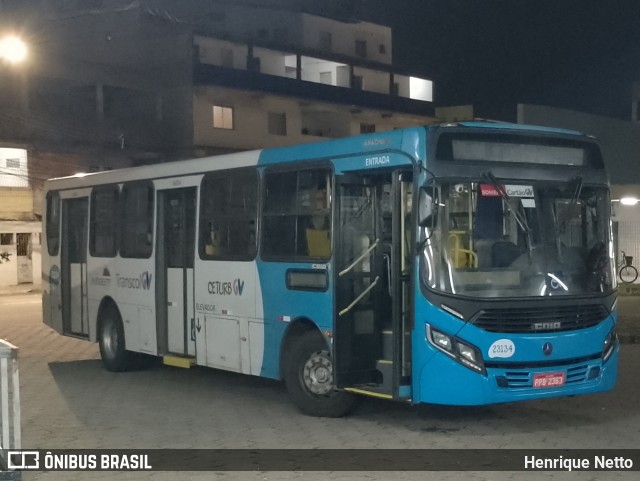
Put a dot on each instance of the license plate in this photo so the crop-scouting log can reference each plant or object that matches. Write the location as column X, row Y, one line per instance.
column 548, row 379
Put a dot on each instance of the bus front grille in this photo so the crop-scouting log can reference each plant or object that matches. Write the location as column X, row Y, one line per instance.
column 540, row 319
column 524, row 379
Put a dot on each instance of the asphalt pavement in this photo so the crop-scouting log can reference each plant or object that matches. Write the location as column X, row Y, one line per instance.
column 69, row 401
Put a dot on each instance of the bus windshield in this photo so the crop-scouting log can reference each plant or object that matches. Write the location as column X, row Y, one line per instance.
column 492, row 239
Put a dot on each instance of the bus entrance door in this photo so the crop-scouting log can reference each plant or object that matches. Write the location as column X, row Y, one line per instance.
column 360, row 317
column 74, row 267
column 370, row 348
column 175, row 259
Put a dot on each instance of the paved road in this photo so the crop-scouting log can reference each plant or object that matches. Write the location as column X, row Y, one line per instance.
column 70, row 401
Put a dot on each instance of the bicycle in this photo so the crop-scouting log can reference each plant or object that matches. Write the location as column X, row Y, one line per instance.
column 626, row 271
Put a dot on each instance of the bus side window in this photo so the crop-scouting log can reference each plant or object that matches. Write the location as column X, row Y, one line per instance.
column 297, row 214
column 229, row 207
column 53, row 223
column 318, row 232
column 136, row 239
column 104, row 221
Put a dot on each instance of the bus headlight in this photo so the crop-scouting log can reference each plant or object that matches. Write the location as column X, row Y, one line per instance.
column 442, row 341
column 609, row 344
column 466, row 354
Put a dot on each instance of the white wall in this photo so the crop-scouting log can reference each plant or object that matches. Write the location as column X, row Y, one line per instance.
column 13, row 168
column 272, row 62
column 250, row 21
column 344, row 36
column 313, row 67
column 9, row 270
column 628, row 241
column 373, row 80
column 211, row 52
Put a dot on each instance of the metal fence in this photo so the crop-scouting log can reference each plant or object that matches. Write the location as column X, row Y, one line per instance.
column 9, row 403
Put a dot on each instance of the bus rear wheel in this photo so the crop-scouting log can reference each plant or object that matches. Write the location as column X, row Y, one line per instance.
column 309, row 376
column 111, row 338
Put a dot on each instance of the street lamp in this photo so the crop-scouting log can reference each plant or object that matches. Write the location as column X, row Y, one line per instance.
column 629, row 201
column 13, row 49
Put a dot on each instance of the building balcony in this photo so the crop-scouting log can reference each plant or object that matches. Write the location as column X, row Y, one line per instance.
column 337, row 79
column 355, row 96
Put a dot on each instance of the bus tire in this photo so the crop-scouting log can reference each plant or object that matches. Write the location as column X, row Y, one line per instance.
column 628, row 274
column 308, row 375
column 112, row 345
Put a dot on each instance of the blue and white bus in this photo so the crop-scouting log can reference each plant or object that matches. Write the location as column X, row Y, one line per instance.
column 462, row 264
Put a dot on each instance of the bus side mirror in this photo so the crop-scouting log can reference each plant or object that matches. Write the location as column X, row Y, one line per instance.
column 427, row 207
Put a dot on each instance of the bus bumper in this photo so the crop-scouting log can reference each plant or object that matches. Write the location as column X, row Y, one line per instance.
column 444, row 381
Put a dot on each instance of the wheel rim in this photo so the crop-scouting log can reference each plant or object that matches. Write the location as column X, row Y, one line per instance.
column 627, row 274
column 317, row 373
column 110, row 338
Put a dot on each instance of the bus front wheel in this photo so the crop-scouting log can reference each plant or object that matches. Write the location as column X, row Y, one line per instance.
column 111, row 338
column 309, row 376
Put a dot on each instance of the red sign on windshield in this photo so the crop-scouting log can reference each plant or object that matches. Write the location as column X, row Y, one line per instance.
column 487, row 190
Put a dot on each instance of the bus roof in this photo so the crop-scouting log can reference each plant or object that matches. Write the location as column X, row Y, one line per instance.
column 521, row 127
column 409, row 140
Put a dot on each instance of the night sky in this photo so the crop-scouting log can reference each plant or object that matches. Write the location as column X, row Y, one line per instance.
column 579, row 54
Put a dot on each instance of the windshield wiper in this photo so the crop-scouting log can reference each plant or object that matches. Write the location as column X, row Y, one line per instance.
column 574, row 201
column 519, row 218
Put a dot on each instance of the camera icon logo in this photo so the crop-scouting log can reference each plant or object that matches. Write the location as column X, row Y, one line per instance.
column 23, row 460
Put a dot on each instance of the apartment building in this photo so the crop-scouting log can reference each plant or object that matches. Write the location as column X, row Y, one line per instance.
column 110, row 84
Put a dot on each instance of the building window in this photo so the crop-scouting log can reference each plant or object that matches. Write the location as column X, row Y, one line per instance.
column 367, row 128
column 277, row 124
column 326, row 78
column 229, row 206
column 6, row 239
column 13, row 163
column 326, row 41
column 136, row 239
column 226, row 56
column 361, row 48
column 382, row 49
column 104, row 219
column 23, row 244
column 53, row 223
column 290, row 72
column 297, row 215
column 222, row 117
